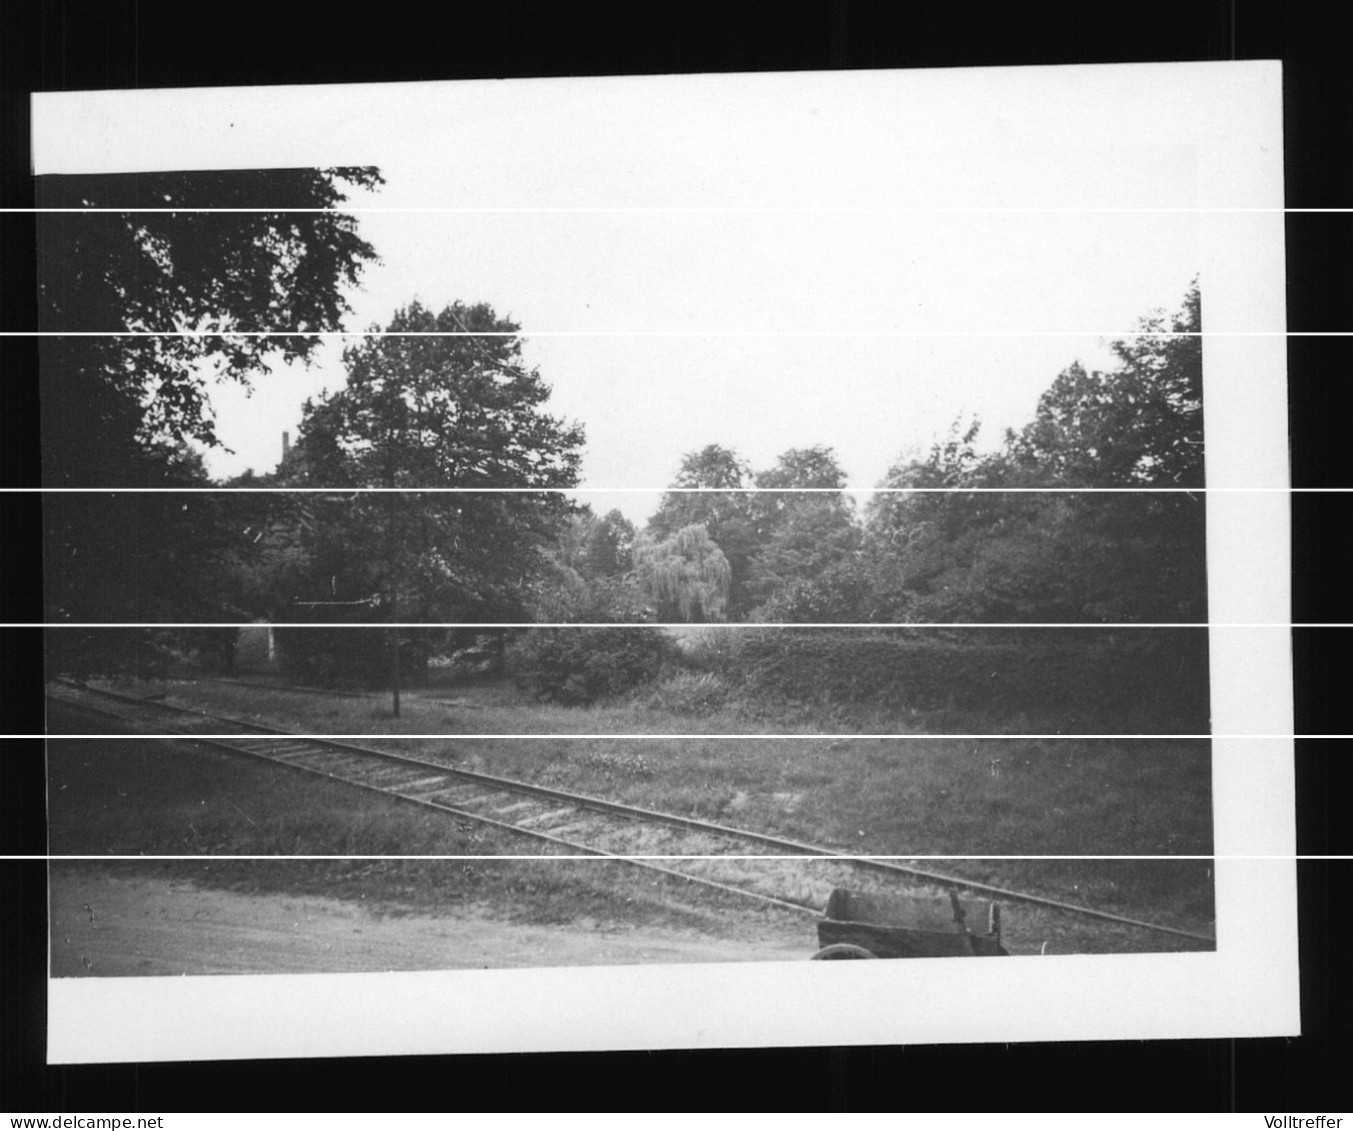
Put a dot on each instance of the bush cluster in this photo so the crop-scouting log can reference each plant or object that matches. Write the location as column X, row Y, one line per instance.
column 580, row 665
column 1148, row 681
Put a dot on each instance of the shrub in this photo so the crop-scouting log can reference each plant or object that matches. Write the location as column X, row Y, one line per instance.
column 689, row 693
column 580, row 665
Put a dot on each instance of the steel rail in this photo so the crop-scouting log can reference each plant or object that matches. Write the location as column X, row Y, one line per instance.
column 695, row 824
column 451, row 810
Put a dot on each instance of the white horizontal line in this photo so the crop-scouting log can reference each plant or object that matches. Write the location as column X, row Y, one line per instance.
column 697, row 210
column 769, row 858
column 527, row 333
column 686, row 735
column 657, row 490
column 1104, row 625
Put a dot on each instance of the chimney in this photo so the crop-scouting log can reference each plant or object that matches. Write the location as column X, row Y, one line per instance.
column 286, row 446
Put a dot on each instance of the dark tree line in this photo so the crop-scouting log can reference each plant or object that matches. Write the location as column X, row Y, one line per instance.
column 416, row 414
column 962, row 534
column 129, row 407
column 441, row 415
column 1002, row 553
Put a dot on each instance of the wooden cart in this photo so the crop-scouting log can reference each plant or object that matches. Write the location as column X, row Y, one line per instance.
column 902, row 926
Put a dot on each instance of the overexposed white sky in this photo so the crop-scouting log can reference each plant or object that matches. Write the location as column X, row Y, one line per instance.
column 760, row 261
column 665, row 332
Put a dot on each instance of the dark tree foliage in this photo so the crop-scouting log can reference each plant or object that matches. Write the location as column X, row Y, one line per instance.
column 798, row 468
column 817, row 537
column 444, row 412
column 164, row 556
column 608, row 546
column 800, row 479
column 1138, row 556
column 708, row 493
column 1137, row 425
column 110, row 405
column 708, row 483
column 991, row 556
column 800, row 536
column 421, row 411
column 793, row 527
column 708, row 498
column 420, row 557
column 594, row 577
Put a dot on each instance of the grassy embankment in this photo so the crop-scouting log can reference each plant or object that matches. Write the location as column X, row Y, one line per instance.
column 904, row 796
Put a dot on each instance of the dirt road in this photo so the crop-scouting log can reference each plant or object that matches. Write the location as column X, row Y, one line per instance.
column 110, row 925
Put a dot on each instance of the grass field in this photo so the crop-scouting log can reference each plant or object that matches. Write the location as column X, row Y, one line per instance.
column 908, row 796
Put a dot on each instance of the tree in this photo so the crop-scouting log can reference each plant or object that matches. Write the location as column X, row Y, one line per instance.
column 800, row 468
column 113, row 406
column 1066, row 556
column 711, row 495
column 687, row 576
column 1137, row 425
column 805, row 525
column 801, row 477
column 440, row 412
column 153, row 557
column 594, row 579
column 815, row 536
column 608, row 546
column 708, row 490
column 775, row 528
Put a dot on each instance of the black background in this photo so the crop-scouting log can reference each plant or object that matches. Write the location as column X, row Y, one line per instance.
column 136, row 43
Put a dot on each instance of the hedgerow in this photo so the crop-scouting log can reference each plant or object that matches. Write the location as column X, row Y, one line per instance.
column 1152, row 681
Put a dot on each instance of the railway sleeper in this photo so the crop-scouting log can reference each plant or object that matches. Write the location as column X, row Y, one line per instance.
column 423, row 787
column 546, row 821
column 390, row 777
column 515, row 807
column 330, row 762
column 480, row 801
column 283, row 751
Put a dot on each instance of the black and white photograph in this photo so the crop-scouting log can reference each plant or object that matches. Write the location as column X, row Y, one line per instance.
column 561, row 563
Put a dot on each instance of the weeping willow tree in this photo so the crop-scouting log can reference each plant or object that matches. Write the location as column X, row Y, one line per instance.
column 686, row 576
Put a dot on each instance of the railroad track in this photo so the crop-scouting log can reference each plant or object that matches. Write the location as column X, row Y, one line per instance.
column 772, row 870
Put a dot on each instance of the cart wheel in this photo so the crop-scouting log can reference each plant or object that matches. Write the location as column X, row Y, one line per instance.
column 843, row 950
